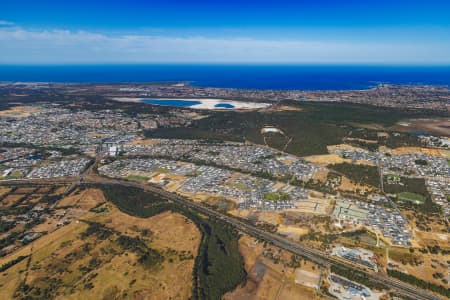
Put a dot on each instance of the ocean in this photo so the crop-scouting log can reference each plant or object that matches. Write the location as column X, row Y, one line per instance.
column 277, row 77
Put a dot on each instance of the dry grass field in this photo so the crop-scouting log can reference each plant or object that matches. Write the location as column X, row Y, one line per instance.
column 428, row 264
column 412, row 150
column 101, row 254
column 11, row 199
column 277, row 108
column 145, row 142
column 84, row 200
column 4, row 190
column 348, row 185
column 326, row 159
column 19, row 112
column 438, row 126
column 425, row 238
column 24, row 190
column 292, row 232
column 269, row 275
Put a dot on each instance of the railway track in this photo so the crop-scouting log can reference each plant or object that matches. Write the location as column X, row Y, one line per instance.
column 317, row 256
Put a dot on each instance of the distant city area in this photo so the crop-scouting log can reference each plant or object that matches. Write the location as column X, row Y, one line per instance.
column 356, row 183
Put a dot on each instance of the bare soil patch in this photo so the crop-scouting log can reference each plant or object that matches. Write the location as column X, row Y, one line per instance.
column 433, row 126
column 19, row 112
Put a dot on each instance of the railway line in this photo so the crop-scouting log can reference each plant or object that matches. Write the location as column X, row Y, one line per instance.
column 317, row 256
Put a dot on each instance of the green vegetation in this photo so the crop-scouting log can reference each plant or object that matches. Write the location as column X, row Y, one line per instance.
column 360, row 174
column 421, row 162
column 363, row 144
column 6, row 226
column 405, row 184
column 219, row 265
column 146, row 256
column 419, row 282
column 412, row 197
column 312, row 128
column 412, row 189
column 50, row 199
column 276, row 196
column 99, row 230
column 393, row 177
column 162, row 170
column 137, row 178
column 241, row 186
column 10, row 239
column 13, row 262
column 399, row 139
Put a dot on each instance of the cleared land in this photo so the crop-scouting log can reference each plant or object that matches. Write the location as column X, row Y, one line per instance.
column 271, row 274
column 78, row 262
column 437, row 126
column 18, row 112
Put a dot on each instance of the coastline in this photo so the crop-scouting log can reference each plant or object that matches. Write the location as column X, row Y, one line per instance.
column 255, row 77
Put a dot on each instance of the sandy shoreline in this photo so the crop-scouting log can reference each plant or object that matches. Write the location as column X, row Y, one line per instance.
column 205, row 103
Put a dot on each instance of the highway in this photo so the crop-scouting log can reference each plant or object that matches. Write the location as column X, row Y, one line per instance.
column 317, row 256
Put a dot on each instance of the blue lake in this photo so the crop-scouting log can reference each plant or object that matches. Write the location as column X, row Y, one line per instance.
column 224, row 105
column 172, row 102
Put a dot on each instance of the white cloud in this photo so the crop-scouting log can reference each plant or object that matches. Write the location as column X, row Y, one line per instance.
column 20, row 45
column 6, row 23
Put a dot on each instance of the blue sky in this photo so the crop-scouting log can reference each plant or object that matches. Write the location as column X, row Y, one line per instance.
column 342, row 32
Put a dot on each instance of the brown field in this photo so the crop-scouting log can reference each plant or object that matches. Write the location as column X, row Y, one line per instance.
column 269, row 217
column 435, row 224
column 171, row 280
column 326, row 159
column 432, row 263
column 428, row 151
column 145, row 142
column 242, row 213
column 362, row 140
column 43, row 190
column 172, row 186
column 274, row 108
column 4, row 190
column 69, row 266
column 47, row 241
column 425, row 238
column 321, row 176
column 11, row 199
column 41, row 249
column 433, row 126
column 347, row 185
column 23, row 190
column 343, row 147
column 19, row 112
column 164, row 236
column 85, row 200
column 293, row 232
column 269, row 280
column 34, row 198
column 60, row 190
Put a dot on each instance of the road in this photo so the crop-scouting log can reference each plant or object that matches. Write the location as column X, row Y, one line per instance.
column 314, row 255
